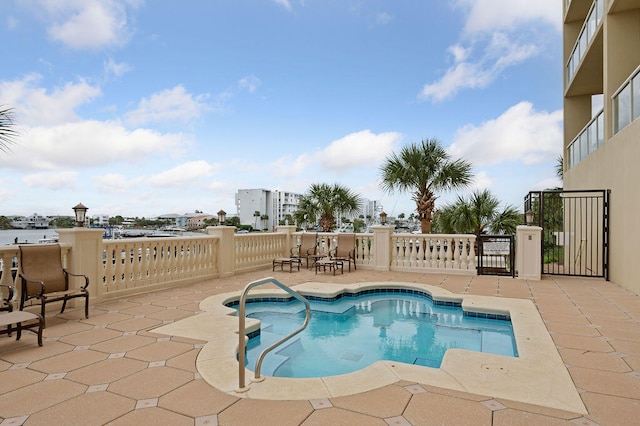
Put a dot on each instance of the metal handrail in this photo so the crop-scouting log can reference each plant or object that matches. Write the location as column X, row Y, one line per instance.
column 241, row 327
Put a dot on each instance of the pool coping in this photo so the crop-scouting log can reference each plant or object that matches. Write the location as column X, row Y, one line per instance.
column 537, row 376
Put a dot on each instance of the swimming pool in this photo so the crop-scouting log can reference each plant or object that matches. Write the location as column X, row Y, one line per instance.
column 354, row 331
column 537, row 375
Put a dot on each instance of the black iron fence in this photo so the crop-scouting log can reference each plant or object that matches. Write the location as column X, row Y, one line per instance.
column 496, row 255
column 575, row 231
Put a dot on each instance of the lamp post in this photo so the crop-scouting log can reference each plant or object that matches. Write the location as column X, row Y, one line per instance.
column 80, row 211
column 528, row 217
column 222, row 215
column 383, row 218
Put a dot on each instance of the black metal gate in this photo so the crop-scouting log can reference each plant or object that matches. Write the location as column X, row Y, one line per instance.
column 496, row 255
column 575, row 231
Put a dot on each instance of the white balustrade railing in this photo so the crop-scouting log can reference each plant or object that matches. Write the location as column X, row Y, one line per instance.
column 135, row 263
column 433, row 252
column 256, row 250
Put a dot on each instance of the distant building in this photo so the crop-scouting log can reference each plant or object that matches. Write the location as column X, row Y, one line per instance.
column 35, row 221
column 196, row 222
column 272, row 206
column 276, row 205
column 100, row 219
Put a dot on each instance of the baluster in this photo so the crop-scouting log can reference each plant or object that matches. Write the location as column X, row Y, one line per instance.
column 472, row 254
column 456, row 253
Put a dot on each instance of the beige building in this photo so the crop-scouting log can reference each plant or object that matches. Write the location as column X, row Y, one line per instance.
column 601, row 45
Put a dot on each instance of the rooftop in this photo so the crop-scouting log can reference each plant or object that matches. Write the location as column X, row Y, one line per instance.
column 111, row 368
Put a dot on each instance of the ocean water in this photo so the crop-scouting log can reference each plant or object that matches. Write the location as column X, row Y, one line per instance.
column 8, row 236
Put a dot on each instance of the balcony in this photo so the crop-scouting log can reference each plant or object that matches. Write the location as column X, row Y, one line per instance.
column 584, row 70
column 588, row 140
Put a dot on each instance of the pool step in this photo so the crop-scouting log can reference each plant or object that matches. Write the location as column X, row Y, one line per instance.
column 279, row 356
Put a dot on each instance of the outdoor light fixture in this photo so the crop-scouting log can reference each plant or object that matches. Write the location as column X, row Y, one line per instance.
column 222, row 215
column 528, row 217
column 81, row 214
column 383, row 218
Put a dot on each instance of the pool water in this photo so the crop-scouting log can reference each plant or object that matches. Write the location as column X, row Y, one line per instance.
column 354, row 332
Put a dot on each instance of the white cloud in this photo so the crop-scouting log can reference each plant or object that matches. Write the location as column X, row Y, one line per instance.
column 519, row 134
column 355, row 150
column 289, row 167
column 182, row 174
column 168, row 105
column 111, row 67
column 285, row 3
column 112, row 183
column 249, row 83
column 88, row 143
column 499, row 54
column 497, row 35
column 358, row 149
column 39, row 107
column 491, row 15
column 383, row 18
column 87, row 24
column 52, row 181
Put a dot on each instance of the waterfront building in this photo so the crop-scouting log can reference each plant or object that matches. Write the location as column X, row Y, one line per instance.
column 35, row 221
column 601, row 117
column 100, row 219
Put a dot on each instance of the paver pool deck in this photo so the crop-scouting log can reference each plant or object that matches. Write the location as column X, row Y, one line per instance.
column 113, row 369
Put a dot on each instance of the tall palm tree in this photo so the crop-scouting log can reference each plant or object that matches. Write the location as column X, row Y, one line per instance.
column 424, row 169
column 326, row 202
column 480, row 214
column 8, row 134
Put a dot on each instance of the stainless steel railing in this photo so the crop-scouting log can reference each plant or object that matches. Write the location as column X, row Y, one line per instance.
column 241, row 328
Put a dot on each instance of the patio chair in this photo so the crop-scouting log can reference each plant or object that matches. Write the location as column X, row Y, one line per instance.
column 307, row 249
column 6, row 304
column 345, row 249
column 44, row 280
column 8, row 317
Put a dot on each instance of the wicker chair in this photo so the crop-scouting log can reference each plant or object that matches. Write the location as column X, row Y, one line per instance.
column 44, row 280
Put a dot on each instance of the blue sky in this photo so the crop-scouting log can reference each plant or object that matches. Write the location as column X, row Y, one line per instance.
column 143, row 108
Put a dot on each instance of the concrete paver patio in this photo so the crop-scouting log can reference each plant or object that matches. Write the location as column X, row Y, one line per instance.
column 111, row 369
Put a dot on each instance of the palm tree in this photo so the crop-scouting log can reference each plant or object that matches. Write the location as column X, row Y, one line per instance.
column 559, row 167
column 425, row 169
column 8, row 134
column 327, row 202
column 480, row 214
column 256, row 214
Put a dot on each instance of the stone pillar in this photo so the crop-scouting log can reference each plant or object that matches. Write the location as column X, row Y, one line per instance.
column 289, row 239
column 226, row 255
column 382, row 246
column 529, row 252
column 85, row 258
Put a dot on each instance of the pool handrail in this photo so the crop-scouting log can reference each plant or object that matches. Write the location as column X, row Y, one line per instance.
column 241, row 328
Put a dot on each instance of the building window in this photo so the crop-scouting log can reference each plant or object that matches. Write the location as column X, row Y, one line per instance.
column 600, row 124
column 622, row 108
